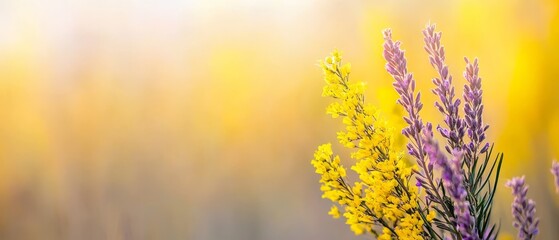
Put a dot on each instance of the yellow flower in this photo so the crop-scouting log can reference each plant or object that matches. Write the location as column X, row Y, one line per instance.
column 334, row 212
column 384, row 198
column 431, row 215
column 386, row 234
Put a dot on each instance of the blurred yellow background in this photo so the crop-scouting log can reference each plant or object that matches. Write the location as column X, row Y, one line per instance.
column 198, row 119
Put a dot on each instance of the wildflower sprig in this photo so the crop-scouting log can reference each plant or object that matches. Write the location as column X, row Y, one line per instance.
column 453, row 180
column 448, row 105
column 523, row 210
column 383, row 202
column 404, row 83
column 478, row 171
column 474, row 109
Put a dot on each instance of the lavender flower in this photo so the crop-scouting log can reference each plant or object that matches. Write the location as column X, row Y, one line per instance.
column 453, row 180
column 555, row 172
column 447, row 105
column 473, row 109
column 405, row 86
column 523, row 210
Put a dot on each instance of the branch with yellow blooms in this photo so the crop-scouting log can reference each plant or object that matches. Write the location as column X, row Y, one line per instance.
column 384, row 202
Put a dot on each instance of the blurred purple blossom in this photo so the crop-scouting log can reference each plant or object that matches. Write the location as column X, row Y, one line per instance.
column 453, row 180
column 523, row 209
column 555, row 172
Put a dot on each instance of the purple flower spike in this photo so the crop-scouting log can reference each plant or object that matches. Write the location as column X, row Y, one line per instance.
column 447, row 103
column 555, row 172
column 405, row 86
column 453, row 180
column 523, row 210
column 473, row 109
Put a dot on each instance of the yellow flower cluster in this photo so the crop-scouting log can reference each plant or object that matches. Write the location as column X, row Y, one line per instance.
column 383, row 202
column 335, row 188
